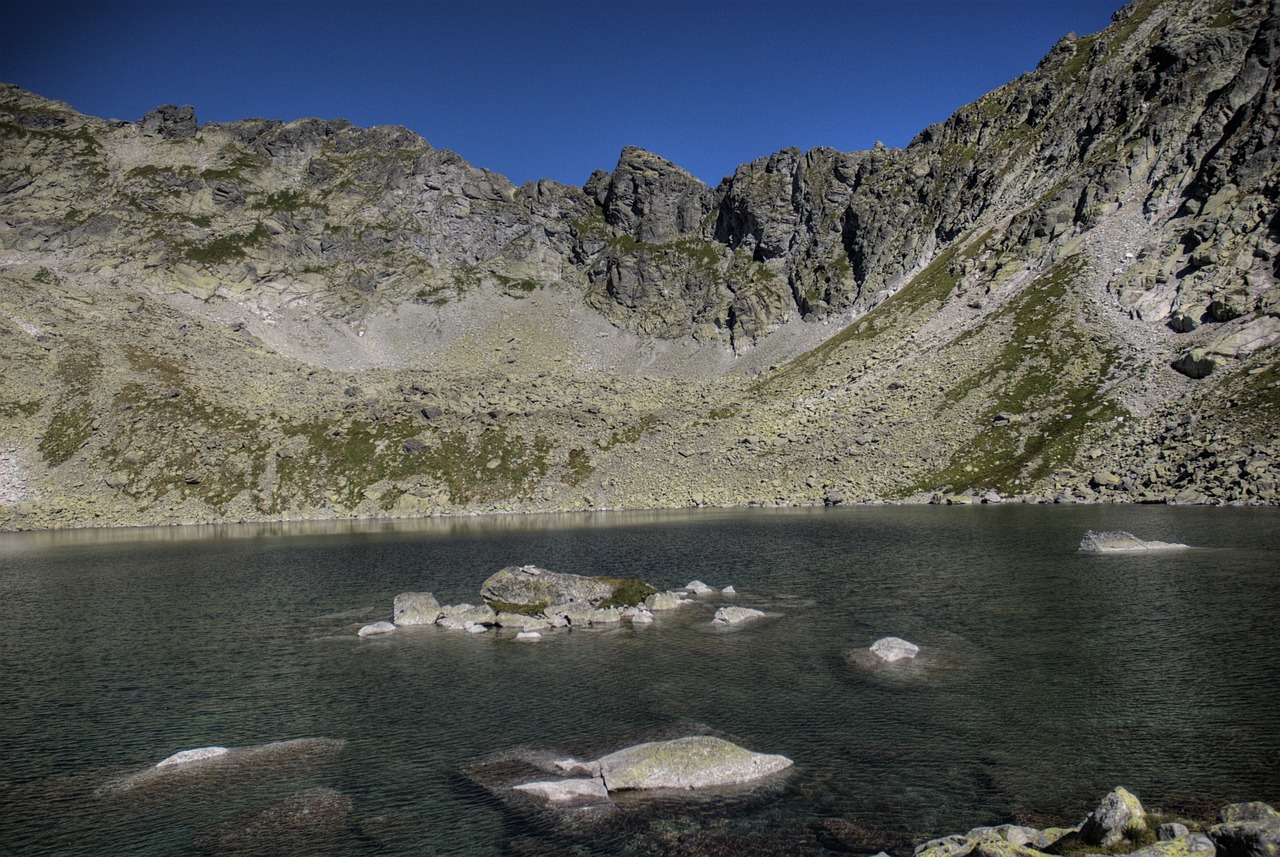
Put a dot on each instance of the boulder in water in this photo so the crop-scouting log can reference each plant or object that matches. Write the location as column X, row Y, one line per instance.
column 568, row 792
column 700, row 761
column 1122, row 542
column 891, row 649
column 736, row 615
column 415, row 608
column 375, row 629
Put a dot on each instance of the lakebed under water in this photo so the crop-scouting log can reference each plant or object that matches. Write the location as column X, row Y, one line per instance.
column 1048, row 676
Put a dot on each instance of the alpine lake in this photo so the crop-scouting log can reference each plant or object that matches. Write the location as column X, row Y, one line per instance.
column 1047, row 677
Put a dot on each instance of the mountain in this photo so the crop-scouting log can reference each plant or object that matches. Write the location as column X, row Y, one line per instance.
column 1066, row 291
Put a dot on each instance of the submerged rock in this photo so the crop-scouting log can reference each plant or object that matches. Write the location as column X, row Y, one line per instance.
column 316, row 821
column 893, row 649
column 1122, row 542
column 189, row 765
column 699, row 761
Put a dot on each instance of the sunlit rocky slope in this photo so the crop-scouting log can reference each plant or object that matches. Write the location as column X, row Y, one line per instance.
column 1065, row 291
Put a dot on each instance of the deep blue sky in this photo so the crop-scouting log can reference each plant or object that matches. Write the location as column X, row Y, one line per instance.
column 548, row 88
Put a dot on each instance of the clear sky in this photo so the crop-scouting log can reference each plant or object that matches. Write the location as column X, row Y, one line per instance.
column 548, row 88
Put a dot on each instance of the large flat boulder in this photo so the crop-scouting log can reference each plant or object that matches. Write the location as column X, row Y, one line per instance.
column 1247, row 830
column 700, row 761
column 568, row 792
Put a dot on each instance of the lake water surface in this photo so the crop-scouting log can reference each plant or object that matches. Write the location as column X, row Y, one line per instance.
column 1048, row 676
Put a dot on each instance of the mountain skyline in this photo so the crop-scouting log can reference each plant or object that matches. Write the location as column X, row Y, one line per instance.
column 555, row 89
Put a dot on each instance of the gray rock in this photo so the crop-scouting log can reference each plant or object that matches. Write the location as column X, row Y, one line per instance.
column 1121, row 542
column 186, row 757
column 1107, row 825
column 736, row 615
column 375, row 629
column 1251, row 811
column 171, row 122
column 660, row 601
column 697, row 587
column 728, row 590
column 529, row 636
column 533, row 586
column 569, row 792
column 415, row 608
column 522, row 621
column 1171, row 830
column 460, row 617
column 574, row 615
column 1257, row 837
column 686, row 763
column 893, row 649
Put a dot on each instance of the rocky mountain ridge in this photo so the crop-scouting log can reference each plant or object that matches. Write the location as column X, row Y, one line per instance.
column 1067, row 290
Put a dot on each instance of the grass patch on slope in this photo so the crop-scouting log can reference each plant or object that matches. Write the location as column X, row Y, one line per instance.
column 1047, row 376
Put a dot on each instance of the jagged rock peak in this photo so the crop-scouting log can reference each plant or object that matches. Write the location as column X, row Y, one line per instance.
column 650, row 198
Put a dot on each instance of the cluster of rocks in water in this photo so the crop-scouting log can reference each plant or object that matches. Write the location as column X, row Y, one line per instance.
column 531, row 600
column 1120, row 825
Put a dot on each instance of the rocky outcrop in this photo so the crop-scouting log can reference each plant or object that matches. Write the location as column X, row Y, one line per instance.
column 1122, row 542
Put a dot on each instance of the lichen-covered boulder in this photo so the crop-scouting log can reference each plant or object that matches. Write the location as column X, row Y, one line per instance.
column 736, row 615
column 531, row 586
column 1111, row 819
column 1190, row 845
column 1247, row 830
column 700, row 761
column 415, row 608
column 1122, row 542
column 893, row 649
column 573, row 615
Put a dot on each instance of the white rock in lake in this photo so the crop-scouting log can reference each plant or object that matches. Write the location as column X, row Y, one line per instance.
column 697, row 587
column 375, row 629
column 1122, row 542
column 577, row 791
column 663, row 601
column 641, row 617
column 529, row 636
column 736, row 615
column 894, row 649
column 198, row 754
column 728, row 590
column 700, row 761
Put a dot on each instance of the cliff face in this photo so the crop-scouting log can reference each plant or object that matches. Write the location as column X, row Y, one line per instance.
column 1066, row 290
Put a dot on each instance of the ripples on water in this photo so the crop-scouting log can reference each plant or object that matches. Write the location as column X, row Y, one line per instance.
column 1047, row 677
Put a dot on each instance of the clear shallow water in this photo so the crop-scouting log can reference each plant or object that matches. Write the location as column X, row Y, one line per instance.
column 1048, row 676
